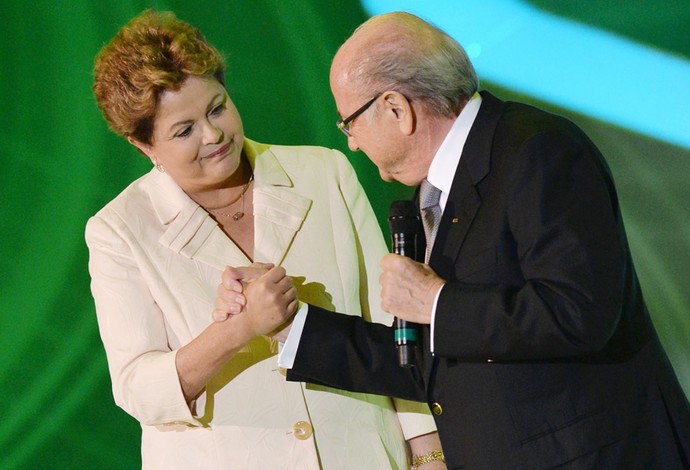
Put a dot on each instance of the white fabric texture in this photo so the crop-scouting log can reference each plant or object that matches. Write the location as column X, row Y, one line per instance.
column 156, row 258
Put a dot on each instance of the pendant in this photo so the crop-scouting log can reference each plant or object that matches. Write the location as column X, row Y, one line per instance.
column 238, row 215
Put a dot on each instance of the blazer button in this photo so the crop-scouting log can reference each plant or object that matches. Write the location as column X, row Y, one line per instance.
column 302, row 430
column 437, row 409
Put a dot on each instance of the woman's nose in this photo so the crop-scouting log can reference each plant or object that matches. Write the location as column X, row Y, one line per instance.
column 212, row 133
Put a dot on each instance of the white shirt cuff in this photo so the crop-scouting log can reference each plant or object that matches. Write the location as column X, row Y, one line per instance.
column 433, row 318
column 288, row 351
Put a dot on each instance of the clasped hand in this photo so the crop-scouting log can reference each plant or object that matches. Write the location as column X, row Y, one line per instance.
column 269, row 297
column 262, row 293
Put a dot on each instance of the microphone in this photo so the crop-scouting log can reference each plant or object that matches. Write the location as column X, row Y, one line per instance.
column 403, row 222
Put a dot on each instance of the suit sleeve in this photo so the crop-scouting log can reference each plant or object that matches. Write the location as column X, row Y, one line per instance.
column 347, row 352
column 414, row 416
column 554, row 220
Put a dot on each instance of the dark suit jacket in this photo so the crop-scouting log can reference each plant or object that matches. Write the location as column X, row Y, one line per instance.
column 544, row 352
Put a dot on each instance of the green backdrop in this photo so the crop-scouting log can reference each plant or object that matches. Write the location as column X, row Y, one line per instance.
column 61, row 164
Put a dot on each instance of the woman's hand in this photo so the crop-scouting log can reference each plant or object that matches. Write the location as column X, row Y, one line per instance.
column 267, row 302
column 261, row 291
column 230, row 298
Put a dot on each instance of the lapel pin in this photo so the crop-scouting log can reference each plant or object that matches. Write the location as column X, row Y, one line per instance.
column 456, row 220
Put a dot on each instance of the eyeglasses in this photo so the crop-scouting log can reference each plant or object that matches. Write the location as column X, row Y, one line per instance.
column 344, row 124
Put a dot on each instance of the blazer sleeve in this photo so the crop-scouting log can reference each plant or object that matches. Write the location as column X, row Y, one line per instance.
column 142, row 366
column 414, row 416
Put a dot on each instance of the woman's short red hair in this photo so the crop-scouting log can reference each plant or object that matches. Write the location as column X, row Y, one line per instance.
column 152, row 53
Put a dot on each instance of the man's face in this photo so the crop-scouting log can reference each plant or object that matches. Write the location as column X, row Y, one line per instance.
column 374, row 132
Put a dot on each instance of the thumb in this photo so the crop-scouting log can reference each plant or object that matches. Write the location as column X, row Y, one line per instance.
column 233, row 276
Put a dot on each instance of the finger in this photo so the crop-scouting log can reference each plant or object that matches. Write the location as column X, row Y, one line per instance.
column 231, row 305
column 243, row 273
column 286, row 299
column 231, row 279
column 385, row 304
column 219, row 316
column 285, row 284
column 275, row 274
column 240, row 301
column 293, row 306
column 260, row 265
column 235, row 286
column 388, row 260
column 226, row 288
column 291, row 293
column 231, row 295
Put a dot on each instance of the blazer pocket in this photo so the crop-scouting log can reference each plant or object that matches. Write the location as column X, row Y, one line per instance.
column 550, row 416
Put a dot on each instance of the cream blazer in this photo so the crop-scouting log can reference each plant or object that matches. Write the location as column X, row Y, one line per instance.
column 156, row 259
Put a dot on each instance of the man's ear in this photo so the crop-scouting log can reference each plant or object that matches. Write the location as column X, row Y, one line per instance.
column 402, row 110
column 145, row 149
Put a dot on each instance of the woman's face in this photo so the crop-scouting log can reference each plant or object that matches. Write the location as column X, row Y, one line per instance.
column 197, row 136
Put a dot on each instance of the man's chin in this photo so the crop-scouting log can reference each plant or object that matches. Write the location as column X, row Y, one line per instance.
column 387, row 177
column 399, row 178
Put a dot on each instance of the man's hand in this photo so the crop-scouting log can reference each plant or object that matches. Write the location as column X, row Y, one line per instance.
column 271, row 302
column 408, row 288
column 230, row 298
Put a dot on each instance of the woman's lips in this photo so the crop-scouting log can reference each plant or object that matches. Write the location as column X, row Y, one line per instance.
column 221, row 151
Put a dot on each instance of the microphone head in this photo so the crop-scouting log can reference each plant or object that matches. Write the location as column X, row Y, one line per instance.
column 403, row 218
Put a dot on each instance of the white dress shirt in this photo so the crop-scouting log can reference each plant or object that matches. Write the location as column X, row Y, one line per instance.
column 445, row 164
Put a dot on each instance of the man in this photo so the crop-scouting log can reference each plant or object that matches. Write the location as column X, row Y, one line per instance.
column 537, row 349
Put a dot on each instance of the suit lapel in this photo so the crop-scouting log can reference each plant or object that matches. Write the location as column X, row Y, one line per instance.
column 279, row 210
column 464, row 200
column 278, row 214
column 195, row 235
column 187, row 229
column 461, row 207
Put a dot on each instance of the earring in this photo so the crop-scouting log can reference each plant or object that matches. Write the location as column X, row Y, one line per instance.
column 158, row 166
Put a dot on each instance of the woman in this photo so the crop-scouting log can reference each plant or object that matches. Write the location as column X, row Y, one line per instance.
column 209, row 395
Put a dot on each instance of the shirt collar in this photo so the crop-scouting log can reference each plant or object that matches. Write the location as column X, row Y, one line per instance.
column 445, row 162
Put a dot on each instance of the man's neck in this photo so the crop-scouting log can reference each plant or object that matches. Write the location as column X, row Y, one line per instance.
column 433, row 130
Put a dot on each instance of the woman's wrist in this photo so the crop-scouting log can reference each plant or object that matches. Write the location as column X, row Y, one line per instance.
column 435, row 455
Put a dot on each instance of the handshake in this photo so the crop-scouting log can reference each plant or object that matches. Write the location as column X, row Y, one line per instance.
column 265, row 298
column 262, row 294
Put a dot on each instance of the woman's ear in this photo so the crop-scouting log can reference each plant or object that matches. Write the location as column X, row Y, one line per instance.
column 402, row 110
column 145, row 149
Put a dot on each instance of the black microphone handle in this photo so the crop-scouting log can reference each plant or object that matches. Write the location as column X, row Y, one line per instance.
column 403, row 221
column 405, row 340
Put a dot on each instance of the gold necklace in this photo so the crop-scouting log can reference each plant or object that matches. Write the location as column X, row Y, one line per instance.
column 240, row 213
